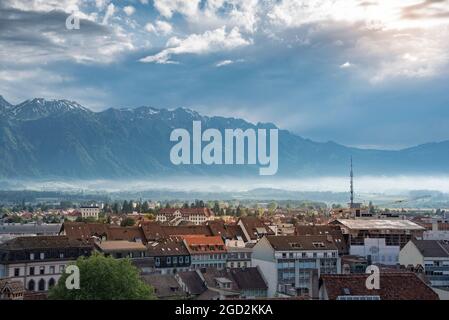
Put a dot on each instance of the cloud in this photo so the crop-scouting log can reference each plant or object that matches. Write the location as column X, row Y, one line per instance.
column 210, row 41
column 224, row 63
column 129, row 10
column 185, row 7
column 38, row 37
column 346, row 65
column 227, row 62
column 109, row 13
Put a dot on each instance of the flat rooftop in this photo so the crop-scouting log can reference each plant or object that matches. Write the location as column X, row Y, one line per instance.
column 379, row 224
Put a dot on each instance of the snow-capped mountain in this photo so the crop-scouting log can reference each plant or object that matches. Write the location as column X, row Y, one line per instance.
column 40, row 108
column 59, row 138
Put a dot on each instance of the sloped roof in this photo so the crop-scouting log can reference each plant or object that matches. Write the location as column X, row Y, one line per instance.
column 299, row 243
column 248, row 279
column 393, row 286
column 432, row 248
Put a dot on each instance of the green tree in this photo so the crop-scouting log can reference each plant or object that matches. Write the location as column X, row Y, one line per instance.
column 127, row 222
column 104, row 278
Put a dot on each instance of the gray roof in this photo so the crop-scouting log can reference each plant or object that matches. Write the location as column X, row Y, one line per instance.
column 30, row 228
column 432, row 248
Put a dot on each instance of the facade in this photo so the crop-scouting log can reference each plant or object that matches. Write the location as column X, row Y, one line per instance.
column 206, row 251
column 175, row 216
column 90, row 212
column 38, row 262
column 169, row 256
column 291, row 265
column 430, row 255
column 239, row 254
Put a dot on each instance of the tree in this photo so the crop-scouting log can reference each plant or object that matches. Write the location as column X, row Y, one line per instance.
column 127, row 222
column 216, row 208
column 104, row 278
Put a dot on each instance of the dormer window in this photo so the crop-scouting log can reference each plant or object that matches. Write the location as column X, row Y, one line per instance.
column 42, row 256
column 31, row 256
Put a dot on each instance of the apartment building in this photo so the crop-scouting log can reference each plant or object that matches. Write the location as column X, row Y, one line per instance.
column 206, row 251
column 432, row 256
column 292, row 265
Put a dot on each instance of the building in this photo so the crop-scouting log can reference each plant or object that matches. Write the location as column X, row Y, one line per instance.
column 333, row 231
column 11, row 289
column 90, row 212
column 165, row 286
column 291, row 265
column 393, row 286
column 206, row 251
column 432, row 256
column 88, row 232
column 38, row 262
column 214, row 284
column 353, row 264
column 175, row 216
column 239, row 254
column 169, row 256
column 254, row 229
column 378, row 240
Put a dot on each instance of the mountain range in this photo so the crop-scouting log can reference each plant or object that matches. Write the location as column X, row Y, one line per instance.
column 42, row 138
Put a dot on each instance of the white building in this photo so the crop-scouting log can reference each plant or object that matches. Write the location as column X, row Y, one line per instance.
column 430, row 255
column 174, row 216
column 38, row 262
column 90, row 212
column 291, row 265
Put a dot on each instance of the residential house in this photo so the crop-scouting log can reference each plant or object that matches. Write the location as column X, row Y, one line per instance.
column 254, row 228
column 170, row 256
column 206, row 251
column 432, row 256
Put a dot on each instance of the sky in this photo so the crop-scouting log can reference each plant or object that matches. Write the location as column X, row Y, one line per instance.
column 365, row 73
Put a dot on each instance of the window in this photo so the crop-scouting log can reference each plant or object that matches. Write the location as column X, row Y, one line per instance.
column 181, row 260
column 158, row 261
column 187, row 259
column 168, row 260
column 175, row 260
column 61, row 255
column 52, row 269
column 314, row 254
column 61, row 268
column 31, row 285
column 31, row 256
column 16, row 272
column 41, row 285
column 42, row 270
column 42, row 256
column 31, row 271
column 51, row 283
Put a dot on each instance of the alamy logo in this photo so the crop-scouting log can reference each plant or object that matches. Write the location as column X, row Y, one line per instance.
column 234, row 148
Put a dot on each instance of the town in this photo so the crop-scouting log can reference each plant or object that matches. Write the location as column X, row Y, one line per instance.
column 218, row 250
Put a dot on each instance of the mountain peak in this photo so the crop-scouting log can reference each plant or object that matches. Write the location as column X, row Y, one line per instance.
column 4, row 103
column 40, row 108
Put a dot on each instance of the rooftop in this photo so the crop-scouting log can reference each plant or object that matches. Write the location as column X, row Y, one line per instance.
column 309, row 242
column 432, row 248
column 378, row 224
column 120, row 245
column 393, row 286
